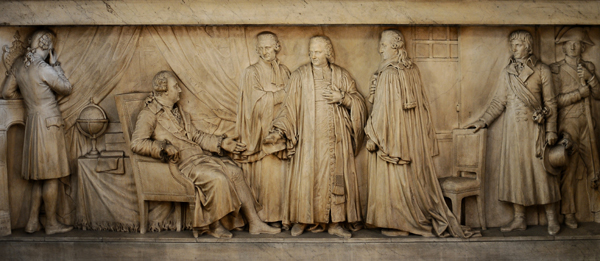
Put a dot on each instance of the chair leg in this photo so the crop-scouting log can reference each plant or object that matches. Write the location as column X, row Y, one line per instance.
column 481, row 210
column 178, row 216
column 457, row 208
column 143, row 216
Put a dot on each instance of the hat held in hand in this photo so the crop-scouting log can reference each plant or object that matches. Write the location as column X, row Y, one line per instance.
column 556, row 158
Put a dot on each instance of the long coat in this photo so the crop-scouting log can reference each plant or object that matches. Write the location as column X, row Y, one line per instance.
column 523, row 179
column 317, row 192
column 44, row 147
column 213, row 176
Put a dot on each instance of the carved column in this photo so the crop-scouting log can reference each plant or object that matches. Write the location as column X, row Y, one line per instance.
column 11, row 112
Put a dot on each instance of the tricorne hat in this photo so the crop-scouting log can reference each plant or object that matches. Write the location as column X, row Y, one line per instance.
column 568, row 33
column 556, row 159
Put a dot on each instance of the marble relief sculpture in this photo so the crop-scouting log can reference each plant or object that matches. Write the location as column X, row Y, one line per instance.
column 262, row 93
column 526, row 96
column 576, row 84
column 322, row 119
column 404, row 195
column 164, row 131
column 45, row 159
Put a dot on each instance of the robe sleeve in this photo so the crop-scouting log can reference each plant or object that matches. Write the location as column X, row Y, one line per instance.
column 141, row 141
column 287, row 119
column 355, row 102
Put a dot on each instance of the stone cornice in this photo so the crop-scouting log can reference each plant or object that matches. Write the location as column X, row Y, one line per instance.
column 307, row 12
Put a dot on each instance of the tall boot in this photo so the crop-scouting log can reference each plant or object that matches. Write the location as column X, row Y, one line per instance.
column 553, row 225
column 518, row 222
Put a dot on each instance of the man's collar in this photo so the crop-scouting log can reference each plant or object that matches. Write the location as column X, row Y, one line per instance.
column 530, row 61
column 156, row 106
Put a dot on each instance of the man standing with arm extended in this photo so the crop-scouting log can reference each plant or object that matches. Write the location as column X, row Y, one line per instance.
column 576, row 83
column 262, row 93
column 526, row 96
column 322, row 120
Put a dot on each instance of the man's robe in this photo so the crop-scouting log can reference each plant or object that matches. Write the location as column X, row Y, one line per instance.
column 404, row 192
column 317, row 194
column 261, row 96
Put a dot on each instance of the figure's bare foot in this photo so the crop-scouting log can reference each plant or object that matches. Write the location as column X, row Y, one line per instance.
column 58, row 228
column 217, row 230
column 298, row 229
column 32, row 226
column 263, row 228
column 336, row 229
column 394, row 233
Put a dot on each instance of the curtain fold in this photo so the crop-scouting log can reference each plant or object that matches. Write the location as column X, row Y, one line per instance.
column 209, row 61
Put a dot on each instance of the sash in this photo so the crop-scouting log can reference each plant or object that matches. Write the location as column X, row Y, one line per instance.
column 517, row 86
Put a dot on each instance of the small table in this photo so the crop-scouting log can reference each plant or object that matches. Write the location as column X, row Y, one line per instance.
column 109, row 201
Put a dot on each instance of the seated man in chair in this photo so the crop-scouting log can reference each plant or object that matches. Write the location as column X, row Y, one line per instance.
column 164, row 131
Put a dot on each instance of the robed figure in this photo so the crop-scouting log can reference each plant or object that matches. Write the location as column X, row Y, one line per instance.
column 261, row 96
column 322, row 119
column 404, row 195
column 526, row 97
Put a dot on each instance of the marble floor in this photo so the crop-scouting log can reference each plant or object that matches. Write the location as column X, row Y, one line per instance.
column 367, row 244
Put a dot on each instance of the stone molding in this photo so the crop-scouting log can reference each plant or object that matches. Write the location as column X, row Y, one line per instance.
column 307, row 12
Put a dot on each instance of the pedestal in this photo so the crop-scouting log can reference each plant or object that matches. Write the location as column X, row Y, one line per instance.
column 11, row 112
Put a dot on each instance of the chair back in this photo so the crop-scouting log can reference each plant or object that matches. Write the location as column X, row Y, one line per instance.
column 469, row 151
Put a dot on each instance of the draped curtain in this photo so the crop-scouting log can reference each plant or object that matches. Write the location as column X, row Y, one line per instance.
column 208, row 60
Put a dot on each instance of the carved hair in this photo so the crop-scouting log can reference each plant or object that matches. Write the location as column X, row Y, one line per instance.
column 39, row 39
column 524, row 37
column 159, row 82
column 397, row 40
column 272, row 36
column 328, row 46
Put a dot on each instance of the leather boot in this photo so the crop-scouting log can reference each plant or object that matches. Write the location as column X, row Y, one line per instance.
column 553, row 225
column 518, row 222
column 570, row 221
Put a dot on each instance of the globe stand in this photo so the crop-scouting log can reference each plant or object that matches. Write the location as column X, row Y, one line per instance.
column 92, row 123
column 94, row 153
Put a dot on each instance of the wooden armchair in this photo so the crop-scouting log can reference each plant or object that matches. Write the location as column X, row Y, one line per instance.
column 154, row 180
column 468, row 176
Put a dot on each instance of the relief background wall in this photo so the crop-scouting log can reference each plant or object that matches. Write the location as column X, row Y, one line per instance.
column 460, row 66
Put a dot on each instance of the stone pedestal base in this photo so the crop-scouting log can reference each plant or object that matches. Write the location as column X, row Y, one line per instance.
column 534, row 243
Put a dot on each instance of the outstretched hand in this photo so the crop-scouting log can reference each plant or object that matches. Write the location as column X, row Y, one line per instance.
column 478, row 125
column 233, row 146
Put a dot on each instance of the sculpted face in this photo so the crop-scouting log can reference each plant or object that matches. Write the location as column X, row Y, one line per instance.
column 572, row 48
column 385, row 48
column 519, row 49
column 173, row 90
column 266, row 48
column 318, row 53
